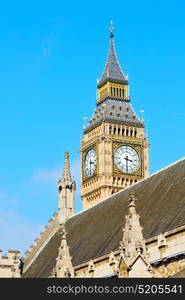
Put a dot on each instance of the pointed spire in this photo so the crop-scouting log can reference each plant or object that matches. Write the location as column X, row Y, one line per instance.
column 66, row 192
column 112, row 71
column 64, row 267
column 66, row 176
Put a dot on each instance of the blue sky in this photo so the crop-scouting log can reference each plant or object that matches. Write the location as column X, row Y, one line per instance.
column 51, row 55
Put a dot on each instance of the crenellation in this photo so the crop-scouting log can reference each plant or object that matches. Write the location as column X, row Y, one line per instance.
column 40, row 242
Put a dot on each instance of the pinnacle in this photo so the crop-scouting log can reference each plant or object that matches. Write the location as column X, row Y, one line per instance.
column 133, row 240
column 66, row 177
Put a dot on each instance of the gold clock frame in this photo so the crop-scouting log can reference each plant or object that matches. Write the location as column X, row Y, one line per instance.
column 138, row 148
column 84, row 153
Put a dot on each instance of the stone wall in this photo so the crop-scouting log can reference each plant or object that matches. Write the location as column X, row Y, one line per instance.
column 9, row 264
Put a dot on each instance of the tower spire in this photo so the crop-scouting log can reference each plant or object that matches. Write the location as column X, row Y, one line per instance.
column 66, row 176
column 66, row 191
column 112, row 71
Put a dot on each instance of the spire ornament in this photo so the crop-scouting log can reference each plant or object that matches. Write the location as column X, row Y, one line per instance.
column 132, row 203
column 111, row 29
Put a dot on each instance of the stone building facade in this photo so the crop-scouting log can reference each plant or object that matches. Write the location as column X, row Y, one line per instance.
column 10, row 264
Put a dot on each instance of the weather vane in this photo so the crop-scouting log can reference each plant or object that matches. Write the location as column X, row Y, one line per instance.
column 111, row 29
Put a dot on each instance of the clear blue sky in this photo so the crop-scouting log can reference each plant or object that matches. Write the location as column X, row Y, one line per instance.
column 51, row 54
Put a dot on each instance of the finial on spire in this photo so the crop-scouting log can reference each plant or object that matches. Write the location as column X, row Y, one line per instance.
column 111, row 29
column 66, row 155
column 132, row 203
column 63, row 232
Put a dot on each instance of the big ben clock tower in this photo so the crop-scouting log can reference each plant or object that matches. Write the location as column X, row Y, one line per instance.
column 114, row 148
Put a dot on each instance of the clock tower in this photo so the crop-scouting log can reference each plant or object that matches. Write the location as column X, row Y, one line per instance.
column 114, row 148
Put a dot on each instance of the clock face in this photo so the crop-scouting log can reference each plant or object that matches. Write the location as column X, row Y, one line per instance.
column 126, row 159
column 90, row 163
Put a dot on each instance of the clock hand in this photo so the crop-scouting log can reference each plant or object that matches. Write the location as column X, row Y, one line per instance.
column 127, row 159
column 127, row 164
column 90, row 163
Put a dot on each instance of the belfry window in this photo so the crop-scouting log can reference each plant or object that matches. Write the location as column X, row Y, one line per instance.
column 127, row 131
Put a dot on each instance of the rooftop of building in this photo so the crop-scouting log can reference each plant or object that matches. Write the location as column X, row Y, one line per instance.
column 91, row 234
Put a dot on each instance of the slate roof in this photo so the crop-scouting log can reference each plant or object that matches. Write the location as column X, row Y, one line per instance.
column 112, row 71
column 98, row 230
column 114, row 111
